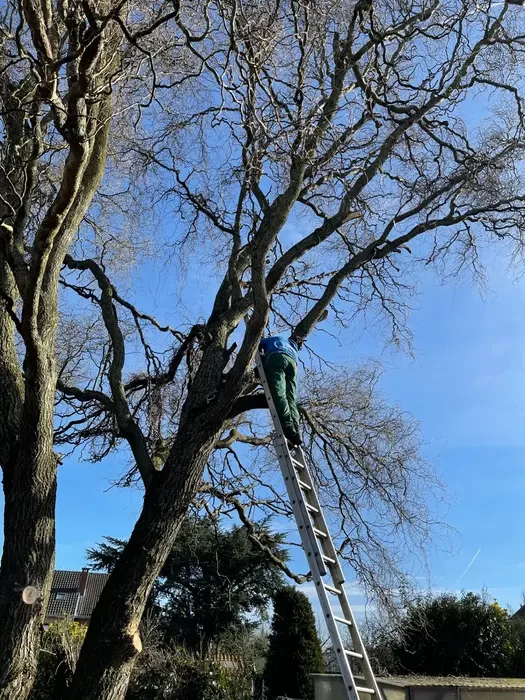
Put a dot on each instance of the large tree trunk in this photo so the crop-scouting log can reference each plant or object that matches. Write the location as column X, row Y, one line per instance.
column 112, row 642
column 29, row 465
column 29, row 529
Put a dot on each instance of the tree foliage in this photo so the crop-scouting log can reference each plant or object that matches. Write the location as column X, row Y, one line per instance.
column 516, row 664
column 57, row 659
column 295, row 649
column 450, row 635
column 175, row 674
column 165, row 672
column 216, row 582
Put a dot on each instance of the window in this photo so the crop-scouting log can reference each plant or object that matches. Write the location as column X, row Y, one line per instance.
column 60, row 596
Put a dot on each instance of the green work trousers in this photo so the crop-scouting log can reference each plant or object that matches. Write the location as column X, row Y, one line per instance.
column 281, row 373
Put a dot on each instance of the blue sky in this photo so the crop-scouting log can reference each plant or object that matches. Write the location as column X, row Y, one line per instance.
column 466, row 387
column 465, row 384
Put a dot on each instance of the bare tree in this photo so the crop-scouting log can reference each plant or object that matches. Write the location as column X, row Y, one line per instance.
column 65, row 73
column 344, row 119
column 316, row 113
column 55, row 91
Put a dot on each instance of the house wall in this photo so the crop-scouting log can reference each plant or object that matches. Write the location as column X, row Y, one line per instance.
column 436, row 693
column 331, row 687
column 417, row 693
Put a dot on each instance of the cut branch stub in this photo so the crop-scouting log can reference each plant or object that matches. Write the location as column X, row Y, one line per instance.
column 30, row 595
column 137, row 642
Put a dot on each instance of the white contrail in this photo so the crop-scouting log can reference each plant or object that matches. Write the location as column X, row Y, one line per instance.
column 471, row 562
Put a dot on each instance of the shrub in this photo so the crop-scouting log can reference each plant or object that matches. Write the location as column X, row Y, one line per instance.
column 57, row 659
column 295, row 650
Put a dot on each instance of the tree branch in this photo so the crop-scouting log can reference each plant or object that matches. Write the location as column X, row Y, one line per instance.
column 128, row 426
column 250, row 528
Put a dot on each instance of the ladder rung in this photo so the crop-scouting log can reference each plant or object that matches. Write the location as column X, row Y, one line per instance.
column 319, row 533
column 329, row 560
column 353, row 654
column 312, row 509
column 370, row 691
column 343, row 621
column 304, row 486
column 300, row 465
column 332, row 589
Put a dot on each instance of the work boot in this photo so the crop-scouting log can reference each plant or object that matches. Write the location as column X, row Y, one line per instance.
column 294, row 439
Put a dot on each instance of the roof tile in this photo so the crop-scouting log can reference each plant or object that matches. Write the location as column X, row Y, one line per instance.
column 69, row 602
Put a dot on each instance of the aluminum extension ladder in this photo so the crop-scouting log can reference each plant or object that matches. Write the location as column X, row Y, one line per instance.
column 321, row 556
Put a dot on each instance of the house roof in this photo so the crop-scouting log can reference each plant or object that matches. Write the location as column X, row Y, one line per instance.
column 69, row 602
column 456, row 682
column 447, row 682
column 519, row 614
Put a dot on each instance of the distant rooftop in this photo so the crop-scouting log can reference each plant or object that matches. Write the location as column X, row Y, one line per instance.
column 75, row 594
column 519, row 614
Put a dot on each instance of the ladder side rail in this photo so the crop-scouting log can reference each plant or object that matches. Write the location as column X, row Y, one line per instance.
column 359, row 646
column 297, row 498
column 300, row 514
column 299, row 502
column 307, row 524
column 335, row 637
column 328, row 547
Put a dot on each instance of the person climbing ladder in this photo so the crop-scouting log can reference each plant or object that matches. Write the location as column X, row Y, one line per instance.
column 280, row 355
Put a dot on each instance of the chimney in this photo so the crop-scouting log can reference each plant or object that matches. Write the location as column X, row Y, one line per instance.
column 83, row 580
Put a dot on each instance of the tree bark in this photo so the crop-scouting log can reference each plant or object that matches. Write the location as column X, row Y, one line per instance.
column 11, row 380
column 29, row 466
column 112, row 643
column 29, row 529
